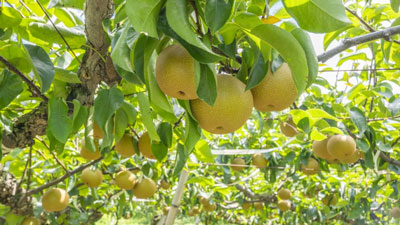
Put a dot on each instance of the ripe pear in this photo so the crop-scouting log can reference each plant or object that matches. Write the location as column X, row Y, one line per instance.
column 97, row 131
column 246, row 205
column 330, row 200
column 125, row 146
column 237, row 164
column 145, row 146
column 92, row 178
column 333, row 161
column 311, row 168
column 320, row 149
column 353, row 158
column 259, row 205
column 259, row 161
column 210, row 207
column 394, row 212
column 289, row 128
column 231, row 109
column 164, row 184
column 30, row 221
column 276, row 91
column 196, row 210
column 88, row 154
column 341, row 146
column 166, row 210
column 145, row 188
column 284, row 194
column 191, row 213
column 204, row 201
column 55, row 200
column 284, row 205
column 125, row 180
column 175, row 73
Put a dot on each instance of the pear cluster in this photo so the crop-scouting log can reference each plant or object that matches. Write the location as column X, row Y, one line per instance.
column 144, row 188
column 338, row 148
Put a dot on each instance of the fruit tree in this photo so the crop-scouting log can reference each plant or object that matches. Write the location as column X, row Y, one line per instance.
column 199, row 111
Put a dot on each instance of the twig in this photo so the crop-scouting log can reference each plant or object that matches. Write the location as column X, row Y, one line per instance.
column 348, row 43
column 28, row 182
column 198, row 22
column 250, row 194
column 360, row 70
column 389, row 159
column 371, row 119
column 33, row 88
column 396, row 141
column 176, row 124
column 54, row 155
column 59, row 33
column 65, row 176
column 26, row 168
column 134, row 132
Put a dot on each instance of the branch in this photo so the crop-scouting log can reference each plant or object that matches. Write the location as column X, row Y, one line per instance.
column 33, row 88
column 198, row 22
column 388, row 159
column 250, row 194
column 348, row 43
column 65, row 176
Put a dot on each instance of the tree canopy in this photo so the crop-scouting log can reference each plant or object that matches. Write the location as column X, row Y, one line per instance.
column 105, row 106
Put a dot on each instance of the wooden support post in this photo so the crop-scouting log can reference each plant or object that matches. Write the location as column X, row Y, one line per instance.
column 177, row 198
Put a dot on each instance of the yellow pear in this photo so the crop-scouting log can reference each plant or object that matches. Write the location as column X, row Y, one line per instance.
column 210, row 207
column 246, row 205
column 125, row 146
column 231, row 110
column 394, row 212
column 88, row 154
column 284, row 194
column 341, row 146
column 145, row 146
column 92, row 178
column 259, row 205
column 97, row 131
column 175, row 73
column 30, row 221
column 353, row 158
column 330, row 200
column 125, row 180
column 164, row 184
column 311, row 168
column 166, row 210
column 320, row 149
column 276, row 91
column 259, row 161
column 145, row 188
column 55, row 200
column 288, row 128
column 237, row 164
column 284, row 205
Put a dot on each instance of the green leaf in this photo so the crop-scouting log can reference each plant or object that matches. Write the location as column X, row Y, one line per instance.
column 177, row 17
column 10, row 87
column 395, row 5
column 320, row 114
column 1, row 137
column 121, row 123
column 312, row 62
column 288, row 47
column 42, row 66
column 358, row 56
column 46, row 32
column 130, row 111
column 159, row 150
column 16, row 56
column 60, row 125
column 318, row 16
column 145, row 112
column 79, row 116
column 192, row 132
column 143, row 50
column 358, row 118
column 120, row 52
column 76, row 4
column 247, row 20
column 106, row 103
column 181, row 157
column 217, row 12
column 164, row 130
column 143, row 15
column 207, row 82
column 203, row 152
column 9, row 17
column 66, row 76
column 258, row 72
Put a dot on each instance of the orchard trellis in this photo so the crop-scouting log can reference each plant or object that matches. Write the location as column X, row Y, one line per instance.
column 70, row 69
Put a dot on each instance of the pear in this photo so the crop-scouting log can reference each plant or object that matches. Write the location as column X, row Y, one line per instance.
column 353, row 158
column 284, row 194
column 259, row 205
column 311, row 168
column 320, row 149
column 88, row 154
column 166, row 210
column 30, row 221
column 125, row 180
column 231, row 109
column 145, row 146
column 145, row 188
column 394, row 212
column 97, row 131
column 330, row 200
column 92, row 178
column 55, row 200
column 164, row 184
column 175, row 73
column 237, row 164
column 341, row 146
column 246, row 205
column 259, row 161
column 276, row 91
column 288, row 128
column 125, row 146
column 210, row 207
column 284, row 205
